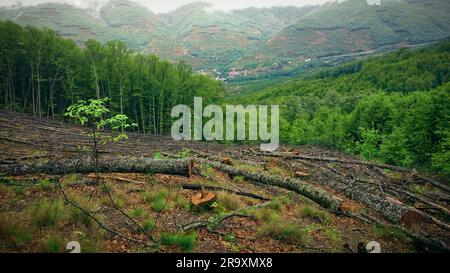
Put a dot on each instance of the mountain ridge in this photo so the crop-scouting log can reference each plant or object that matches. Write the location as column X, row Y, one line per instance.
column 252, row 39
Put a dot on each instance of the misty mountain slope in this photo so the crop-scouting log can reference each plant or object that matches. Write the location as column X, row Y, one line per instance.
column 354, row 26
column 274, row 19
column 211, row 38
column 73, row 23
column 258, row 39
column 127, row 14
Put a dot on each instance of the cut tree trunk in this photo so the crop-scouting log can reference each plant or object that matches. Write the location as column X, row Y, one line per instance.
column 110, row 165
column 393, row 210
column 203, row 199
column 322, row 197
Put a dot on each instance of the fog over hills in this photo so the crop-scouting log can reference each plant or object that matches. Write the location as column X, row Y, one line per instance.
column 253, row 39
column 171, row 5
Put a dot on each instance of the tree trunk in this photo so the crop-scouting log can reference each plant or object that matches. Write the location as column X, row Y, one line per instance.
column 323, row 198
column 110, row 165
column 391, row 209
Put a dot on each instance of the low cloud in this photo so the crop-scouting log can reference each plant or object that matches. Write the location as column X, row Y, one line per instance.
column 161, row 6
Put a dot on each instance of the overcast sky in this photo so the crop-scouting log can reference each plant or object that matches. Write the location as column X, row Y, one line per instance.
column 160, row 6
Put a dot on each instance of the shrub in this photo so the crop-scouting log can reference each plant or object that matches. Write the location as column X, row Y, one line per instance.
column 106, row 187
column 160, row 205
column 181, row 202
column 157, row 194
column 18, row 190
column 279, row 202
column 333, row 235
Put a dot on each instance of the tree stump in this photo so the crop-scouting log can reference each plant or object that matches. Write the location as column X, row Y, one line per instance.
column 203, row 199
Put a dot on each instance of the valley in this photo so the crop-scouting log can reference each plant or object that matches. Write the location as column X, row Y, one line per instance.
column 359, row 98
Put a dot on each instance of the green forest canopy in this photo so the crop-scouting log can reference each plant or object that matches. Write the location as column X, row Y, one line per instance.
column 393, row 108
column 43, row 74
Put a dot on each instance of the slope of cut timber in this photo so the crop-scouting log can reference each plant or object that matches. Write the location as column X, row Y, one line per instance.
column 261, row 204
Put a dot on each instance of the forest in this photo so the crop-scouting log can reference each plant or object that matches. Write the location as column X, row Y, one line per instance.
column 392, row 108
column 43, row 74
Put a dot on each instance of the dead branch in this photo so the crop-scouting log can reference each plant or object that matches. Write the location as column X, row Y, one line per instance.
column 101, row 225
column 217, row 188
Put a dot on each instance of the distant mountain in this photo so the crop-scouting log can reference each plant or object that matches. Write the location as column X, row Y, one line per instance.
column 354, row 26
column 257, row 39
column 193, row 32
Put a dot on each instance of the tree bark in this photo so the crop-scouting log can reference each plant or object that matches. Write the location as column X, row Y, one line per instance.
column 110, row 165
column 391, row 209
column 323, row 198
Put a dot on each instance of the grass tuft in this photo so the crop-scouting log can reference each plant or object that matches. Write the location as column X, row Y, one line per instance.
column 138, row 212
column 45, row 213
column 157, row 199
column 184, row 241
column 316, row 214
column 53, row 244
column 228, row 200
column 284, row 232
column 45, row 184
column 11, row 232
column 390, row 233
column 149, row 225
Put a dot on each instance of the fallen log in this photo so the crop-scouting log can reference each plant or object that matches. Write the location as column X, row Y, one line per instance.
column 322, row 197
column 332, row 159
column 393, row 210
column 216, row 188
column 107, row 165
column 354, row 162
column 433, row 182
